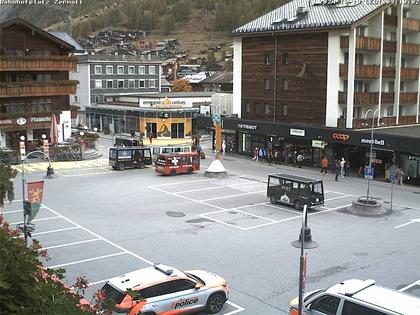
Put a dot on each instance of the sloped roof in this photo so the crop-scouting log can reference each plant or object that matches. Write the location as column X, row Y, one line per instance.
column 317, row 15
column 65, row 37
column 219, row 78
column 19, row 21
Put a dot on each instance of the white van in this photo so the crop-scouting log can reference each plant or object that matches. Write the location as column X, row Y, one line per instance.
column 357, row 297
column 168, row 149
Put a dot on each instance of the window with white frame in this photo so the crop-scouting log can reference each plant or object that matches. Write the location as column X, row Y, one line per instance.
column 142, row 70
column 152, row 70
column 109, row 84
column 98, row 84
column 131, row 70
column 120, row 70
column 98, row 69
column 142, row 83
column 152, row 84
column 131, row 84
column 109, row 70
column 120, row 84
column 76, row 99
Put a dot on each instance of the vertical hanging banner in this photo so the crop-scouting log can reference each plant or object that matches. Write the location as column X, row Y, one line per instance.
column 45, row 147
column 35, row 194
column 22, row 150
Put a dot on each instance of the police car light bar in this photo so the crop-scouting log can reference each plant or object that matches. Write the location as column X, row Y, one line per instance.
column 167, row 272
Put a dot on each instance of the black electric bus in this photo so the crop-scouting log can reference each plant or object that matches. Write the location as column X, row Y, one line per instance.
column 295, row 190
column 121, row 158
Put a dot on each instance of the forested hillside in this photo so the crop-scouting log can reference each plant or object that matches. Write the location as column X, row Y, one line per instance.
column 157, row 16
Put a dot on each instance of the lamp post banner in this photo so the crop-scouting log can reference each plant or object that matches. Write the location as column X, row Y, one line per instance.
column 35, row 194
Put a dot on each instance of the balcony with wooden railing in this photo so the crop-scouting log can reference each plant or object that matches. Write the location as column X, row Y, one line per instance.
column 387, row 97
column 361, row 71
column 411, row 24
column 410, row 49
column 362, row 43
column 38, row 88
column 388, row 72
column 390, row 20
column 38, row 63
column 408, row 98
column 385, row 121
column 360, row 98
column 390, row 46
column 409, row 73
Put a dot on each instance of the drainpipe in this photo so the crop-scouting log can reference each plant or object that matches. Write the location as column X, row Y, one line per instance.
column 275, row 77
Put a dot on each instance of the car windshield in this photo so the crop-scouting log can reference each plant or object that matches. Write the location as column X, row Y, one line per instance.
column 195, row 278
column 112, row 294
column 312, row 294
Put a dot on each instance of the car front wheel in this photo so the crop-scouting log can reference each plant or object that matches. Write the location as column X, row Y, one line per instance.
column 215, row 303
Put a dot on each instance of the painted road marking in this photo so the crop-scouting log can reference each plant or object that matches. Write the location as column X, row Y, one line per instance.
column 70, row 244
column 37, row 220
column 410, row 286
column 341, row 197
column 239, row 309
column 235, row 195
column 86, row 260
column 281, row 208
column 55, row 231
column 410, row 222
column 209, row 188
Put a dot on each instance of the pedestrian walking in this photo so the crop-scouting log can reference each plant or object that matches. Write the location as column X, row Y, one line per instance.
column 268, row 155
column 342, row 164
column 347, row 168
column 255, row 157
column 324, row 165
column 337, row 169
column 150, row 137
column 224, row 147
column 294, row 158
column 299, row 160
column 261, row 153
column 400, row 176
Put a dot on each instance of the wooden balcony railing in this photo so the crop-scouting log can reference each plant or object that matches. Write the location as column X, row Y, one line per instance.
column 410, row 49
column 390, row 46
column 360, row 98
column 361, row 71
column 363, row 43
column 411, row 24
column 42, row 88
column 387, row 97
column 408, row 97
column 409, row 73
column 390, row 20
column 38, row 63
column 385, row 121
column 388, row 72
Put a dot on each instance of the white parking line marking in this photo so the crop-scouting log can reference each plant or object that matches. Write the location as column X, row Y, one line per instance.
column 248, row 206
column 341, row 197
column 105, row 171
column 410, row 222
column 14, row 211
column 239, row 309
column 186, row 182
column 70, row 244
column 280, row 208
column 221, row 222
column 209, row 188
column 86, row 260
column 231, row 196
column 55, row 231
column 37, row 220
column 97, row 282
column 100, row 237
column 409, row 286
column 254, row 215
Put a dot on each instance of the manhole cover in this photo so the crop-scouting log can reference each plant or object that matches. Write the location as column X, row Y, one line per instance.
column 175, row 214
column 233, row 212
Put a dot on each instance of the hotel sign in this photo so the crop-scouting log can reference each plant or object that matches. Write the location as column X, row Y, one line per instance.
column 40, row 119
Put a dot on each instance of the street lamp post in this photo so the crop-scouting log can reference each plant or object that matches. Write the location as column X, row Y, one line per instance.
column 304, row 242
column 50, row 174
column 371, row 147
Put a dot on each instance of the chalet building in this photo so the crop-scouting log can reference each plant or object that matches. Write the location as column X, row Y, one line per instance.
column 307, row 74
column 164, row 115
column 105, row 75
column 34, row 81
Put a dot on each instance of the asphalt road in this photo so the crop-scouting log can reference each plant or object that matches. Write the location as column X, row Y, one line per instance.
column 102, row 223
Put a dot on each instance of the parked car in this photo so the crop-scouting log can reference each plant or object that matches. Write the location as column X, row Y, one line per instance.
column 161, row 289
column 357, row 297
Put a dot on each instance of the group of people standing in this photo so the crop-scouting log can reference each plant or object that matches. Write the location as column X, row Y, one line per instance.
column 341, row 168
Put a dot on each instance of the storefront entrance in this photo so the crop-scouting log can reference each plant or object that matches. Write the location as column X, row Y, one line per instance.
column 151, row 128
column 177, row 130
